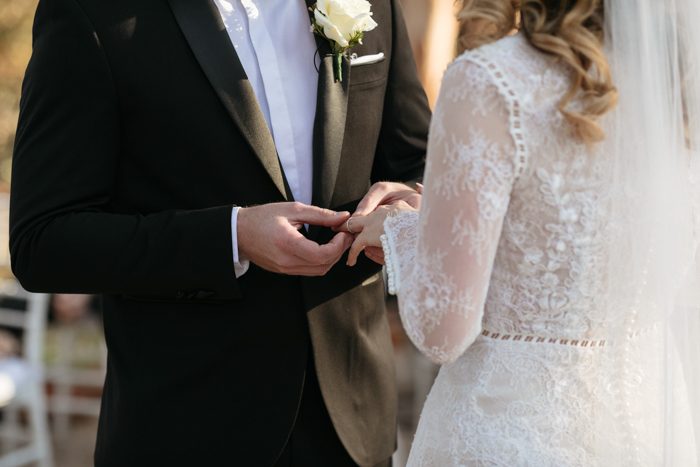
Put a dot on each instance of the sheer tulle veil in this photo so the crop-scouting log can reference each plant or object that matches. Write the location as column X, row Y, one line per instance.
column 652, row 276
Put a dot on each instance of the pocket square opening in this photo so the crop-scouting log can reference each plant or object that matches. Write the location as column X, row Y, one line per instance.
column 366, row 59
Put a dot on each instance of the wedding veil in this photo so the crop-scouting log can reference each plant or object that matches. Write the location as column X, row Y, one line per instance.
column 651, row 275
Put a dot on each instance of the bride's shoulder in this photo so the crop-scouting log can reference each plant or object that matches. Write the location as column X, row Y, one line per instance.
column 487, row 66
column 512, row 52
column 510, row 63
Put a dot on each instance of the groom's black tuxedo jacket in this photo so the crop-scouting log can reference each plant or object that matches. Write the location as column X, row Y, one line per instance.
column 138, row 132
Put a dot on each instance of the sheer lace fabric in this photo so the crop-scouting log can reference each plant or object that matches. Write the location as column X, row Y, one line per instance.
column 498, row 279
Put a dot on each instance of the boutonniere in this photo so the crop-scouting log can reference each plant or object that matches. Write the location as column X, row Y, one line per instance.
column 343, row 23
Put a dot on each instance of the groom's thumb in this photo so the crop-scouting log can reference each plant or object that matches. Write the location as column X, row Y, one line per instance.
column 314, row 215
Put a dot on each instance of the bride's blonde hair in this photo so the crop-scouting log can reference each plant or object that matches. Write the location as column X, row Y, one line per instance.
column 569, row 29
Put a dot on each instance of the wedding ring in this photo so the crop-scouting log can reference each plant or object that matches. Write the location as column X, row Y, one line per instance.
column 347, row 225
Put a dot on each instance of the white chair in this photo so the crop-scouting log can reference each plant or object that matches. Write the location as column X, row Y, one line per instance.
column 31, row 443
column 64, row 377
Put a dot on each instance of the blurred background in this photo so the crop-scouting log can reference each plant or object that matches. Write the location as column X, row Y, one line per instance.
column 52, row 353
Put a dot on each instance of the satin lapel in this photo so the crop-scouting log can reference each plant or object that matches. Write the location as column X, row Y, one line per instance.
column 329, row 124
column 206, row 34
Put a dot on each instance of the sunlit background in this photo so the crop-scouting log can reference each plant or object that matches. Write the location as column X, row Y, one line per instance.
column 52, row 355
column 15, row 47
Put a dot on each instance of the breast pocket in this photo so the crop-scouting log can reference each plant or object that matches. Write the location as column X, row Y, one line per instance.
column 367, row 69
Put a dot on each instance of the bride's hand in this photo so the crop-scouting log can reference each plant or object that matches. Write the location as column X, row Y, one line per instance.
column 370, row 228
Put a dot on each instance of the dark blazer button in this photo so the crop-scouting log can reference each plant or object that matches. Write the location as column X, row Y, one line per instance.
column 204, row 294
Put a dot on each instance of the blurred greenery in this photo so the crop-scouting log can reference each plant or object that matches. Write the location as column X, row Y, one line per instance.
column 15, row 48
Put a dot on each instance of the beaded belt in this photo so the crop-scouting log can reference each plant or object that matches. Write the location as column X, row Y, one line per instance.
column 563, row 341
column 544, row 340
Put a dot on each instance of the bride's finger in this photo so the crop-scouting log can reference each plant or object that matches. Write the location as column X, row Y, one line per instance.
column 375, row 254
column 355, row 250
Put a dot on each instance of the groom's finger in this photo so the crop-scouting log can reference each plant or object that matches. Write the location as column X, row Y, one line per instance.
column 312, row 254
column 342, row 240
column 313, row 215
column 333, row 250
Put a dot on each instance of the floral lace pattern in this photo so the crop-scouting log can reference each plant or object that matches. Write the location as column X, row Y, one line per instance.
column 514, row 403
column 469, row 177
column 510, row 241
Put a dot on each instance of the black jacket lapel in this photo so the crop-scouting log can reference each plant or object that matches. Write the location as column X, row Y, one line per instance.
column 206, row 34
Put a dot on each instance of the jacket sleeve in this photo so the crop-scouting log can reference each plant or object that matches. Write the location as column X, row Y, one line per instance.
column 64, row 236
column 403, row 138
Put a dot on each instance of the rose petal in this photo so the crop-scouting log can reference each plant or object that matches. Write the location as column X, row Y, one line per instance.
column 322, row 6
column 341, row 20
column 347, row 25
column 330, row 30
column 366, row 24
column 356, row 7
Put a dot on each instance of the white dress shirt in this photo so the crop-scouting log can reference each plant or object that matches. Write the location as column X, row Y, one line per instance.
column 277, row 49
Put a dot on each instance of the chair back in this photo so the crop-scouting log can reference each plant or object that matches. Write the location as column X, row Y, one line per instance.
column 29, row 317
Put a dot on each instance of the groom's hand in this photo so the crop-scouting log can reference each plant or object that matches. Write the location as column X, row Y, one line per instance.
column 268, row 236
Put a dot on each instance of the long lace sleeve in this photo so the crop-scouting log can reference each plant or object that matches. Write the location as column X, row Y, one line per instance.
column 439, row 260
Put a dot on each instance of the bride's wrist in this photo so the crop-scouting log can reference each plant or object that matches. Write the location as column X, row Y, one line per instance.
column 400, row 207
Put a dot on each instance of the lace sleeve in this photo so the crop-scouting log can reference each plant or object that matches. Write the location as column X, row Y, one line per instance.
column 439, row 261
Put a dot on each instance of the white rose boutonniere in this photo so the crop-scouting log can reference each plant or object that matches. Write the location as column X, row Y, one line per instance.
column 343, row 23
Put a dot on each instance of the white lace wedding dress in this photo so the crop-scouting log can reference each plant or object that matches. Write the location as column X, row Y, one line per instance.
column 498, row 279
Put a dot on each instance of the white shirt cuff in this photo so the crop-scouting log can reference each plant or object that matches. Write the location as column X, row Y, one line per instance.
column 240, row 264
